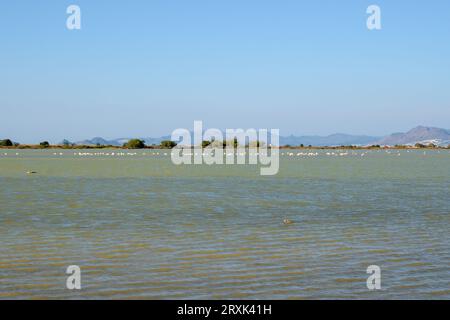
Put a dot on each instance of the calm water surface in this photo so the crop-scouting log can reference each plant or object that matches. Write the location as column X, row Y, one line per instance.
column 142, row 228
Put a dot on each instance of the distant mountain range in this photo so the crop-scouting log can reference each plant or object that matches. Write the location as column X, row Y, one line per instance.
column 420, row 134
column 119, row 141
column 424, row 135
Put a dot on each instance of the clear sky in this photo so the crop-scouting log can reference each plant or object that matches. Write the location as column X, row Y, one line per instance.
column 145, row 68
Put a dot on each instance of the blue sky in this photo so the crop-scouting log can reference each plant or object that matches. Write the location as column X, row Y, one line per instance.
column 145, row 68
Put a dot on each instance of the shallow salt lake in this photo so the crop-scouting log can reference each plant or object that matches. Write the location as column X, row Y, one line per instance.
column 140, row 227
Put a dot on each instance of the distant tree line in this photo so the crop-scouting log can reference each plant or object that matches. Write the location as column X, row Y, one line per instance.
column 430, row 145
column 140, row 144
column 168, row 144
column 233, row 143
column 6, row 143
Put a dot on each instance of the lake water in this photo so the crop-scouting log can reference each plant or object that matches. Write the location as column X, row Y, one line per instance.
column 141, row 228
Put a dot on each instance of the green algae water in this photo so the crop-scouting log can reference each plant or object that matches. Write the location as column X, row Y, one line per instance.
column 140, row 227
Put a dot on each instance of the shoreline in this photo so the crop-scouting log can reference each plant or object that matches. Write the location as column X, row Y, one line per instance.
column 60, row 147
